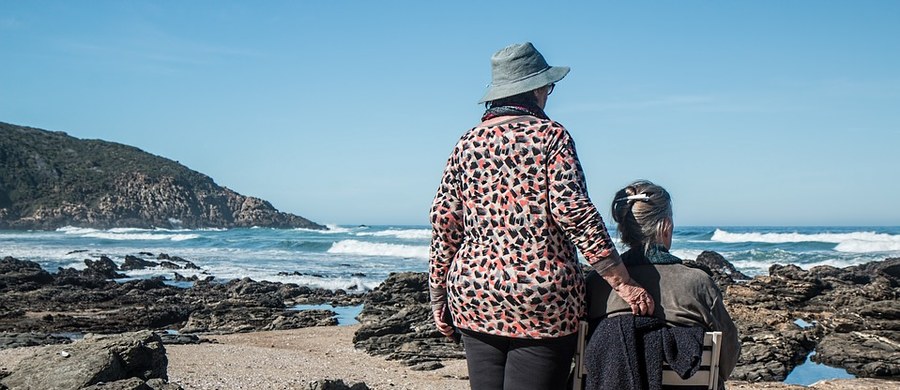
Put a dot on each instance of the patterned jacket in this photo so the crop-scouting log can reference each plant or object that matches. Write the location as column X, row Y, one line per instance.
column 512, row 201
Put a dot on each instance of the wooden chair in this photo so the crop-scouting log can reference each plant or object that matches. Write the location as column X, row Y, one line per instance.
column 706, row 377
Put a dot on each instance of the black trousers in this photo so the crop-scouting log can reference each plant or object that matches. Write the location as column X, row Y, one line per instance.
column 504, row 363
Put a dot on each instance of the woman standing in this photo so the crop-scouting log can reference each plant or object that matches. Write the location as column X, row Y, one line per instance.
column 511, row 209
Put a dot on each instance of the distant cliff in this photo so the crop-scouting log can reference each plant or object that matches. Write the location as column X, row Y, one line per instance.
column 50, row 179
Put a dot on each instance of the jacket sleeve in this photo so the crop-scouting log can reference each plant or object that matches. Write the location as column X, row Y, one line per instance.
column 446, row 225
column 731, row 344
column 570, row 205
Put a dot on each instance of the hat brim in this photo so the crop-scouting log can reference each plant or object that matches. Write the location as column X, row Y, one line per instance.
column 551, row 75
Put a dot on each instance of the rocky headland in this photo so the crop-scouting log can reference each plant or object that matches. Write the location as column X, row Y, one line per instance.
column 850, row 316
column 49, row 180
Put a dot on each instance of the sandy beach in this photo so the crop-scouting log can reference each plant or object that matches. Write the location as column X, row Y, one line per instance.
column 290, row 359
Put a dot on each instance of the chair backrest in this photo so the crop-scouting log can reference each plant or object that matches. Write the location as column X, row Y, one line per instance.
column 706, row 377
column 708, row 374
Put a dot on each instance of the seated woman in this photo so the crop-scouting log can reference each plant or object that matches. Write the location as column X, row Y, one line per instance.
column 684, row 296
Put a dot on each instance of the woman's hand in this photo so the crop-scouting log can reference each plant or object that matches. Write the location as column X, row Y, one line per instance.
column 637, row 297
column 438, row 312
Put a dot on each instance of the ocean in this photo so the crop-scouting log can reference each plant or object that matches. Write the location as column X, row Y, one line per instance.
column 359, row 258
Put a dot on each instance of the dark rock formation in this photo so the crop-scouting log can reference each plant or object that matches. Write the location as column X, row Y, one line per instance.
column 862, row 353
column 49, row 180
column 169, row 265
column 135, row 384
column 721, row 270
column 134, row 262
column 104, row 268
column 396, row 322
column 225, row 318
column 859, row 313
column 16, row 340
column 21, row 275
column 855, row 312
column 33, row 300
column 336, row 384
column 180, row 339
column 93, row 360
column 175, row 259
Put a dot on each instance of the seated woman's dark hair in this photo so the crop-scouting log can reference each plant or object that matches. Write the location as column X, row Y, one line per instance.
column 526, row 99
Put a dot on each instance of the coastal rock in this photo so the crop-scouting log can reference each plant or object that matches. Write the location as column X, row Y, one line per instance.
column 85, row 278
column 427, row 366
column 785, row 288
column 21, row 275
column 860, row 317
column 169, row 265
column 84, row 301
column 396, row 322
column 103, row 268
column 721, row 270
column 51, row 180
column 193, row 278
column 124, row 384
column 770, row 356
column 861, row 353
column 90, row 361
column 854, row 311
column 771, row 344
column 7, row 312
column 180, row 338
column 225, row 318
column 187, row 264
column 162, row 384
column 134, row 262
column 336, row 384
column 17, row 340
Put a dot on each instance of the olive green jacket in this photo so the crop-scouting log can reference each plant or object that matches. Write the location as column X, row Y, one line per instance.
column 684, row 296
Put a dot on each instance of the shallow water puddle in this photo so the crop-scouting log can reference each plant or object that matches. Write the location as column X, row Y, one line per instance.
column 811, row 372
column 346, row 315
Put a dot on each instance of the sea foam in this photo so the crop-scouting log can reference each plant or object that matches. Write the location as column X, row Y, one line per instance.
column 406, row 234
column 362, row 248
column 141, row 236
column 126, row 234
column 332, row 229
column 76, row 230
column 686, row 254
column 761, row 267
column 863, row 246
column 780, row 238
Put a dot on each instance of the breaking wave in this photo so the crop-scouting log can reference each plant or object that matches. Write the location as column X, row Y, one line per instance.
column 362, row 248
column 126, row 234
column 855, row 242
column 406, row 234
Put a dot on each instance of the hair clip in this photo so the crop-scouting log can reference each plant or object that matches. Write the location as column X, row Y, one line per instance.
column 634, row 198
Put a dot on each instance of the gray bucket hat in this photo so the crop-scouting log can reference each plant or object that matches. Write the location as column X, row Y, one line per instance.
column 520, row 68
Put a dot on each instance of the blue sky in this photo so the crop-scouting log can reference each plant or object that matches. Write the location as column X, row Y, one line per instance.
column 750, row 113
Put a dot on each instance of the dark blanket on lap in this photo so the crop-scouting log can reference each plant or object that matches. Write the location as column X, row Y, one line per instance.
column 626, row 352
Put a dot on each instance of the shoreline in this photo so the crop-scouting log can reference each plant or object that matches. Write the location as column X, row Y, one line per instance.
column 288, row 359
column 847, row 313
